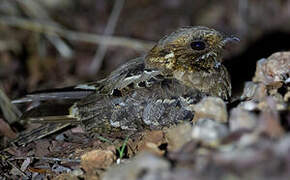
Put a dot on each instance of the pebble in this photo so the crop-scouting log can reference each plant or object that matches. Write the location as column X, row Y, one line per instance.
column 211, row 108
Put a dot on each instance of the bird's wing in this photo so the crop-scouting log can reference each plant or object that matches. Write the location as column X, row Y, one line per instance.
column 162, row 104
column 130, row 76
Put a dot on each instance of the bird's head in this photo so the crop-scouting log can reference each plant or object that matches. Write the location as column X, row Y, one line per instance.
column 188, row 49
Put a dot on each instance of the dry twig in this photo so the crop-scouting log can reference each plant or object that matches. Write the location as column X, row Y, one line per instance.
column 48, row 28
column 9, row 110
column 110, row 29
column 35, row 11
column 46, row 158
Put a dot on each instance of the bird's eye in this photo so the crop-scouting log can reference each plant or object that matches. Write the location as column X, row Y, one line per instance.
column 198, row 45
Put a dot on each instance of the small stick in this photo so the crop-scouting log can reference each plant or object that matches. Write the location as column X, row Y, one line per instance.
column 50, row 29
column 9, row 110
column 34, row 10
column 19, row 171
column 110, row 29
column 46, row 158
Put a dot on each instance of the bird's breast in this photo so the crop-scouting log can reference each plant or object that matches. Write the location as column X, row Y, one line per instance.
column 215, row 82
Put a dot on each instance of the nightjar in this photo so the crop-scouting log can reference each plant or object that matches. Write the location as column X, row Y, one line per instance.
column 149, row 92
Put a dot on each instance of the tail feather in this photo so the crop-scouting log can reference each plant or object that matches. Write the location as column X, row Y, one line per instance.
column 70, row 95
column 39, row 133
column 50, row 125
column 51, row 108
column 53, row 119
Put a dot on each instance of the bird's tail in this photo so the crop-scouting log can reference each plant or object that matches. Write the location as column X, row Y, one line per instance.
column 50, row 109
column 38, row 133
column 51, row 122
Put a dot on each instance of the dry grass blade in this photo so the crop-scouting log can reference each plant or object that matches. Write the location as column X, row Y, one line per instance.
column 50, row 29
column 35, row 11
column 110, row 29
column 9, row 110
column 47, row 159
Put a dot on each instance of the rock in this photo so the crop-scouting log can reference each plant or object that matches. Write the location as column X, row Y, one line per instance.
column 258, row 95
column 97, row 159
column 77, row 172
column 94, row 160
column 254, row 91
column 250, row 89
column 143, row 166
column 282, row 148
column 250, row 105
column 211, row 108
column 177, row 136
column 150, row 142
column 274, row 70
column 271, row 80
column 242, row 119
column 209, row 131
column 277, row 104
column 269, row 123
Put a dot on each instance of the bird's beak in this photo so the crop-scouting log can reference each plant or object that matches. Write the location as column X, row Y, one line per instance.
column 228, row 40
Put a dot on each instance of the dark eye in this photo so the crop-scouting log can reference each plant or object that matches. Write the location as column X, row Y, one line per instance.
column 198, row 45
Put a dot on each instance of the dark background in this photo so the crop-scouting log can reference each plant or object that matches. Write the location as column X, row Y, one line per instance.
column 30, row 61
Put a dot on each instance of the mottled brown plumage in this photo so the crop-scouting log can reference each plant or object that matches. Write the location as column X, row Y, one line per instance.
column 196, row 68
column 156, row 90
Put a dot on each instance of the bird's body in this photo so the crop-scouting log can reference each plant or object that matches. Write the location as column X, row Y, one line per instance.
column 156, row 90
column 139, row 99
